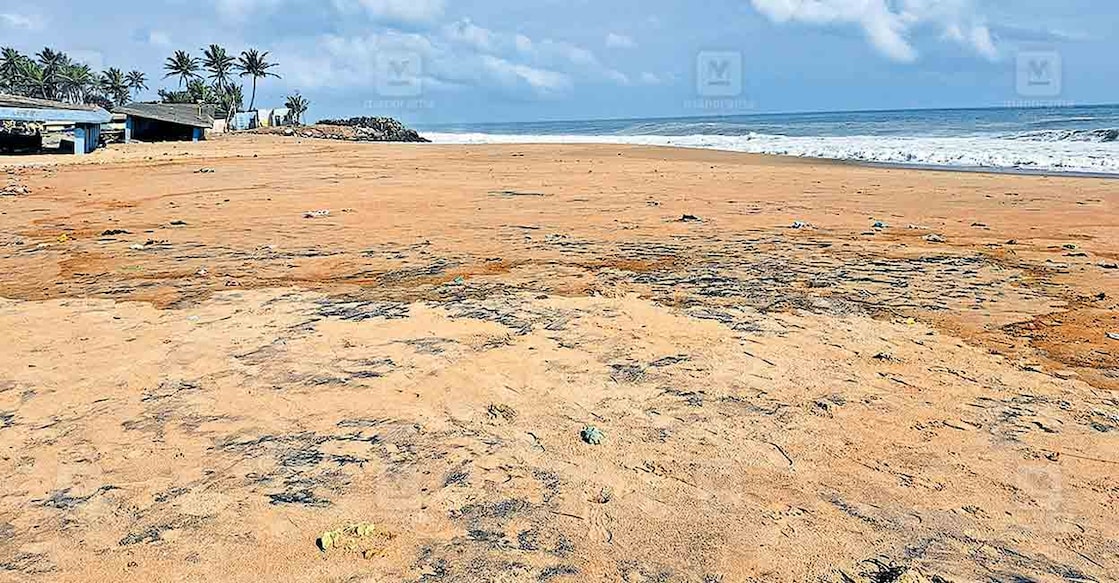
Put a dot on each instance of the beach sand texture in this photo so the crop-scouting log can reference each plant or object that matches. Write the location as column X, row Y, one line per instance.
column 197, row 380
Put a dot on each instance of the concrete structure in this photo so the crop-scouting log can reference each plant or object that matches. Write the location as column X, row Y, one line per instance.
column 261, row 118
column 158, row 122
column 85, row 120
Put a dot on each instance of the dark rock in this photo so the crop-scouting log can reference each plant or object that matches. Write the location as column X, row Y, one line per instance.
column 376, row 129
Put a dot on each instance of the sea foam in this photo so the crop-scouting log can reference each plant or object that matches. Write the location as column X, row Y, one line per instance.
column 1081, row 152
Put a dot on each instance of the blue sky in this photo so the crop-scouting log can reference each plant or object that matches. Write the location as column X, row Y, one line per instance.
column 498, row 60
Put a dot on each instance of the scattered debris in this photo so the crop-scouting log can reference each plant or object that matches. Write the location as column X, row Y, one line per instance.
column 592, row 435
column 1110, row 265
column 934, row 238
column 801, row 225
column 205, row 171
column 316, row 214
column 880, row 225
column 112, row 232
column 689, row 219
column 14, row 189
column 505, row 412
column 1113, row 335
column 178, row 223
column 361, row 538
column 515, row 193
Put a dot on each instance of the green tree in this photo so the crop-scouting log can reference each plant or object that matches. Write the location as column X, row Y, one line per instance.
column 255, row 64
column 10, row 60
column 137, row 81
column 218, row 64
column 115, row 86
column 298, row 105
column 51, row 62
column 78, row 82
column 181, row 65
column 231, row 100
column 32, row 79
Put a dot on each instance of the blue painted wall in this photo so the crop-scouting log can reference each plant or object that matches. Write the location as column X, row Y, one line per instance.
column 86, row 138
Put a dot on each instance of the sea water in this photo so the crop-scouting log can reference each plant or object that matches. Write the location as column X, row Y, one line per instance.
column 1058, row 140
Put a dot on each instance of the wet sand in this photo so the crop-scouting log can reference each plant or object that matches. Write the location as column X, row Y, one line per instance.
column 197, row 380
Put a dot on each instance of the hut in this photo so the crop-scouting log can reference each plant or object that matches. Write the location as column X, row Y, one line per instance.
column 160, row 122
column 24, row 119
column 245, row 120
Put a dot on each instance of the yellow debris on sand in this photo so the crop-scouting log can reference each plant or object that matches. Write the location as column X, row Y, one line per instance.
column 360, row 538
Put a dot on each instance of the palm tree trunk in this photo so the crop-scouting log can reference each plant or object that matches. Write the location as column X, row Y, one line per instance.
column 252, row 101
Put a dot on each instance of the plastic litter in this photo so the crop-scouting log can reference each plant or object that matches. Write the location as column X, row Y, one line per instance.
column 592, row 435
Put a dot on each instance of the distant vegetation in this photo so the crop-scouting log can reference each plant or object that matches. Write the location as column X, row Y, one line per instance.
column 52, row 74
column 208, row 80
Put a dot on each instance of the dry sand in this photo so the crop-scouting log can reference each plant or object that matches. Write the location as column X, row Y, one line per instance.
column 200, row 396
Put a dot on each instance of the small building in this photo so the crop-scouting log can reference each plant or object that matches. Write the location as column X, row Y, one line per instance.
column 281, row 116
column 245, row 120
column 81, row 121
column 161, row 122
column 261, row 118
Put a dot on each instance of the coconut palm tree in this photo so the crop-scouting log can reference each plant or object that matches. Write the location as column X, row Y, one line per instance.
column 77, row 82
column 10, row 60
column 137, row 81
column 231, row 100
column 115, row 86
column 298, row 105
column 218, row 64
column 255, row 64
column 32, row 79
column 181, row 65
column 51, row 62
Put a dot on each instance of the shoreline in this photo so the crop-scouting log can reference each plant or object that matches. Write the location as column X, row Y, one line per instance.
column 121, row 152
column 652, row 140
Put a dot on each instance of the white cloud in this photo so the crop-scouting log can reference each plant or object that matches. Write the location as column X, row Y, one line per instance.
column 241, row 10
column 472, row 35
column 405, row 11
column 454, row 56
column 889, row 25
column 20, row 21
column 158, row 38
column 541, row 80
column 619, row 41
column 523, row 43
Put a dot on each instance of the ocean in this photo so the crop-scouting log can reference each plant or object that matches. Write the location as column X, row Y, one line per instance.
column 1053, row 140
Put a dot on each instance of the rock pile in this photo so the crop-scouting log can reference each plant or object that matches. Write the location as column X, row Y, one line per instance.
column 376, row 129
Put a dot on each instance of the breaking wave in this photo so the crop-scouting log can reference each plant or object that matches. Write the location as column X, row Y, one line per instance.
column 1099, row 136
column 1081, row 151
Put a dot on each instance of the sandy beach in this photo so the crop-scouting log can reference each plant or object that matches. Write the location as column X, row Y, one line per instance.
column 214, row 353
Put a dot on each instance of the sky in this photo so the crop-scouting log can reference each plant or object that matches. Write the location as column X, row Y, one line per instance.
column 468, row 61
